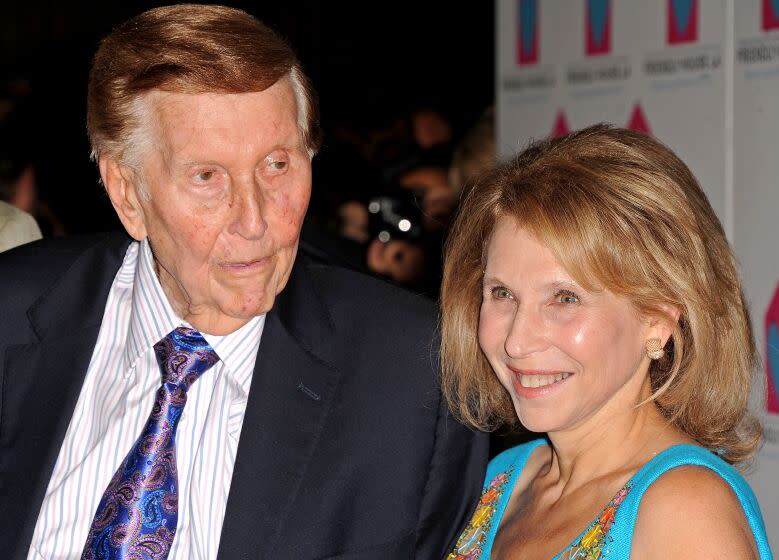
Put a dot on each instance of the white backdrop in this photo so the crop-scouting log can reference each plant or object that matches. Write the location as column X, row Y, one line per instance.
column 700, row 75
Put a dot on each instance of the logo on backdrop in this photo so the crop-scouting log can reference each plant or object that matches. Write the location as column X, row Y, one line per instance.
column 527, row 32
column 598, row 27
column 770, row 15
column 638, row 121
column 682, row 21
column 772, row 353
column 560, row 127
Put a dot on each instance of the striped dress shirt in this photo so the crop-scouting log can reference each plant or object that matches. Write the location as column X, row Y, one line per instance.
column 114, row 404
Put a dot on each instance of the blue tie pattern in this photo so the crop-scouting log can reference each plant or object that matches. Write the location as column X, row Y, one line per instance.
column 137, row 515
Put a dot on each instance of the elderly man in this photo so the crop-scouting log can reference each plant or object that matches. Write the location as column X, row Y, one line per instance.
column 209, row 390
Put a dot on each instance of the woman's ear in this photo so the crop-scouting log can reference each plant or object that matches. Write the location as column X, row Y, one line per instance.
column 122, row 189
column 661, row 324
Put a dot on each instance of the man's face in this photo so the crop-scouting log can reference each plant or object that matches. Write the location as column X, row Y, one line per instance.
column 229, row 180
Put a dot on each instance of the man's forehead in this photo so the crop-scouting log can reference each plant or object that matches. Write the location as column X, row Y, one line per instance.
column 241, row 118
column 164, row 103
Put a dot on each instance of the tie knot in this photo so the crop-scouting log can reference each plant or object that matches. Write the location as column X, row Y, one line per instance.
column 184, row 355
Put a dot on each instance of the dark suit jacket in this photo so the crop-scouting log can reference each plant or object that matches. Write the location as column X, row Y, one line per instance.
column 346, row 450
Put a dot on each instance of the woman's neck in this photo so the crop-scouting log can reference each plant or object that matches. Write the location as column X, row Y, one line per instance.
column 619, row 439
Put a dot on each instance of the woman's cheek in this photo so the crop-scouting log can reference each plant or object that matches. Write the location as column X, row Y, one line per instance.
column 576, row 332
column 490, row 327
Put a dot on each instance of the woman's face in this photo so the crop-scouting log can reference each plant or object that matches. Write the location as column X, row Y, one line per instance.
column 565, row 355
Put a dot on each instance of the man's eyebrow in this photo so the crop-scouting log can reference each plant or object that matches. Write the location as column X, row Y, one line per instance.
column 188, row 162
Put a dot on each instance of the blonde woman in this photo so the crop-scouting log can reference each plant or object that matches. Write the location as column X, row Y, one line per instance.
column 590, row 295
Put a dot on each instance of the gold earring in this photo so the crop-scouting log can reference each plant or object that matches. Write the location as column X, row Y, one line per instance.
column 654, row 349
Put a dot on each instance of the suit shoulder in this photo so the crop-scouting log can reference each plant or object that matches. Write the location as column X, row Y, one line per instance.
column 29, row 270
column 362, row 293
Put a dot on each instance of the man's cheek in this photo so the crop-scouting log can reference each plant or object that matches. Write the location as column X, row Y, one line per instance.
column 290, row 210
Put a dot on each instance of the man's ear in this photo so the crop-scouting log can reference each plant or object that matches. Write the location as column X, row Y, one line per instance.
column 122, row 189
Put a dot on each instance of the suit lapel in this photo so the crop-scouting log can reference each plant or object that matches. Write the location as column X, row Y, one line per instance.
column 292, row 389
column 42, row 382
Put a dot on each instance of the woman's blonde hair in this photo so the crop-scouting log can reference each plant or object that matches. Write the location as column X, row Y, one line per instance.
column 620, row 211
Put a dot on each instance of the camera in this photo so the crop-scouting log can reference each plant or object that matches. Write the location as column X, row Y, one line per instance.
column 395, row 216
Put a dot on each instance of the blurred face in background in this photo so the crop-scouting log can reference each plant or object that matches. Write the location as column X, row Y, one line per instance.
column 431, row 185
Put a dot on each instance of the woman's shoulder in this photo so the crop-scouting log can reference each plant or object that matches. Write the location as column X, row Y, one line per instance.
column 696, row 501
column 502, row 474
column 686, row 469
column 694, row 508
column 512, row 459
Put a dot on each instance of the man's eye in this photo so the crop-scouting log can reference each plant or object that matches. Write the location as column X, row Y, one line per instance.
column 499, row 292
column 205, row 176
column 276, row 163
column 565, row 296
column 277, row 167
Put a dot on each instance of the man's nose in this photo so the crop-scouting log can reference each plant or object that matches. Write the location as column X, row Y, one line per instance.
column 526, row 333
column 249, row 211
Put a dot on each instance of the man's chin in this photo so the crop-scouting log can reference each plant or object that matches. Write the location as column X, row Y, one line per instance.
column 222, row 324
column 248, row 307
column 230, row 314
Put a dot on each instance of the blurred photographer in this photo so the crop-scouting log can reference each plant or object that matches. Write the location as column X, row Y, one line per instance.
column 395, row 227
column 401, row 177
column 424, row 202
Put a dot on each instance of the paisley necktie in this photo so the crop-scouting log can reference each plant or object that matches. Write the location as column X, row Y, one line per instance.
column 137, row 515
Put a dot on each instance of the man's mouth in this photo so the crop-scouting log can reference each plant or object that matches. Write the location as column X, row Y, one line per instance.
column 246, row 265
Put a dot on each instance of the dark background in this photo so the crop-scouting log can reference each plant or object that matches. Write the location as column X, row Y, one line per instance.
column 368, row 61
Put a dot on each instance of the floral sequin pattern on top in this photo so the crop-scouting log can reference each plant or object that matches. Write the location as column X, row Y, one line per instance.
column 594, row 542
column 471, row 542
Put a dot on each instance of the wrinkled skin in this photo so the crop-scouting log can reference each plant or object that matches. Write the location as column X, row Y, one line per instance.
column 228, row 181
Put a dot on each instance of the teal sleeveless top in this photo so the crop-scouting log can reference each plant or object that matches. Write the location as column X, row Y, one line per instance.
column 610, row 535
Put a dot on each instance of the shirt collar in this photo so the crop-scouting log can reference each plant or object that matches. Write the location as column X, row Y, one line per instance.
column 151, row 315
column 238, row 349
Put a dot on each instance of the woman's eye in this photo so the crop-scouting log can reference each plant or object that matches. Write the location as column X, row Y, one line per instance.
column 499, row 292
column 564, row 296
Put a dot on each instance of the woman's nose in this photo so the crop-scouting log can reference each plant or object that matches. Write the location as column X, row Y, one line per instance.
column 525, row 334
